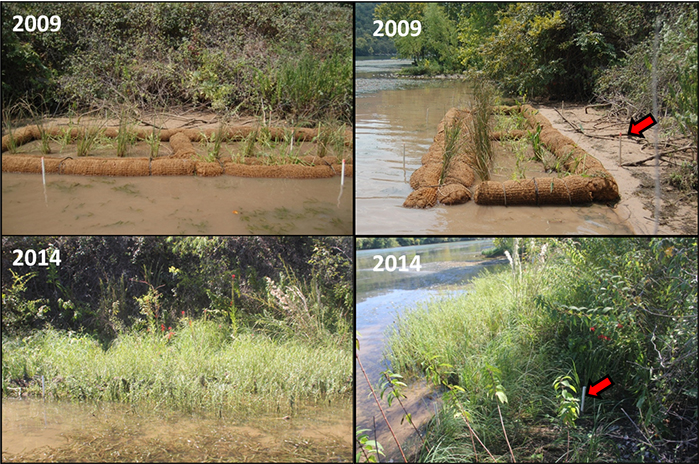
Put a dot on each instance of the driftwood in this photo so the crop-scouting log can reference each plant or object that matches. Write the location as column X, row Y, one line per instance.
column 645, row 160
column 598, row 105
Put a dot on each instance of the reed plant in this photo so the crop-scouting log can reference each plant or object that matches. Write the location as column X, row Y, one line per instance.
column 249, row 143
column 213, row 143
column 125, row 137
column 8, row 118
column 481, row 111
column 196, row 365
column 90, row 137
column 452, row 147
column 153, row 141
column 36, row 115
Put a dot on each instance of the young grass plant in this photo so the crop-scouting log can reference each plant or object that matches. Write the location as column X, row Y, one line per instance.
column 249, row 143
column 125, row 137
column 8, row 115
column 213, row 143
column 88, row 140
column 153, row 139
column 36, row 115
column 481, row 110
column 322, row 141
column 452, row 146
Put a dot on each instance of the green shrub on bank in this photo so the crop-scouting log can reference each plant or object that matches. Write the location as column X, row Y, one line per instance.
column 169, row 54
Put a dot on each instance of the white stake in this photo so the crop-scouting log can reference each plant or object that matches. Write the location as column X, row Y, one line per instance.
column 43, row 177
column 582, row 405
column 342, row 181
column 42, row 377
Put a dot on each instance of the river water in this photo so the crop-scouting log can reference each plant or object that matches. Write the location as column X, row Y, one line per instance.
column 446, row 269
column 167, row 205
column 95, row 432
column 396, row 121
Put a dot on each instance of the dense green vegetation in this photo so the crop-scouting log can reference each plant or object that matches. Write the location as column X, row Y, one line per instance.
column 570, row 51
column 186, row 322
column 291, row 59
column 392, row 242
column 513, row 354
column 365, row 42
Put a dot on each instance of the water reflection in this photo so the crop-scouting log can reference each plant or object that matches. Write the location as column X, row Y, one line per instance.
column 183, row 205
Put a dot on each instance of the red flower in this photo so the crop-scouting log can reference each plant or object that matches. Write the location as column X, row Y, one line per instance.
column 619, row 326
column 234, row 276
column 169, row 328
column 604, row 337
column 162, row 327
column 183, row 313
column 592, row 329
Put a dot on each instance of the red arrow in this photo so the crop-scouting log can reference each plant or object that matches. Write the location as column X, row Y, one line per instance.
column 596, row 389
column 636, row 129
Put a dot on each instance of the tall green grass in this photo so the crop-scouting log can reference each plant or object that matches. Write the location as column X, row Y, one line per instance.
column 452, row 147
column 575, row 312
column 481, row 111
column 306, row 88
column 197, row 367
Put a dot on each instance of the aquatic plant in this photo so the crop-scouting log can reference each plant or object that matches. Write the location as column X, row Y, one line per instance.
column 125, row 137
column 202, row 366
column 481, row 110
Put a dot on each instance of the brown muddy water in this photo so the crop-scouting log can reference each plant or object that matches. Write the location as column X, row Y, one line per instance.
column 447, row 269
column 164, row 205
column 396, row 116
column 36, row 431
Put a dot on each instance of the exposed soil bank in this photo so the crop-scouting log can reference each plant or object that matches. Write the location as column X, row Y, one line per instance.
column 636, row 184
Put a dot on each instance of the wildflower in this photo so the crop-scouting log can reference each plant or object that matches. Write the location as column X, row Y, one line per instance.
column 234, row 276
column 162, row 327
column 183, row 313
column 169, row 328
column 619, row 326
column 592, row 329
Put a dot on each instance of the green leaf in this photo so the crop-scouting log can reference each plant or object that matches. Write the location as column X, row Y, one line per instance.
column 501, row 396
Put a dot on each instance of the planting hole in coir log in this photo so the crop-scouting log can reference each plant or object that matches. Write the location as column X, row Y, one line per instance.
column 532, row 164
